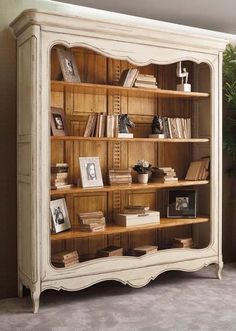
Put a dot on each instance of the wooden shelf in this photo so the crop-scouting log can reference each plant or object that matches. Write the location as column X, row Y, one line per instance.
column 131, row 187
column 157, row 140
column 88, row 88
column 112, row 229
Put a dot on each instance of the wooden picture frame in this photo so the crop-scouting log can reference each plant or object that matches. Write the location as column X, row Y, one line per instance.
column 90, row 172
column 60, row 216
column 68, row 65
column 182, row 203
column 58, row 122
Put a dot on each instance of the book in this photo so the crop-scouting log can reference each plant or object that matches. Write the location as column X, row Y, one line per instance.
column 62, row 187
column 145, row 85
column 144, row 250
column 125, row 135
column 195, row 170
column 69, row 260
column 64, row 255
column 92, row 229
column 110, row 251
column 64, row 265
column 88, row 221
column 138, row 219
column 93, row 214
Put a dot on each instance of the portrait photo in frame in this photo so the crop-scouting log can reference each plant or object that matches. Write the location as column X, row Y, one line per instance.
column 68, row 65
column 58, row 122
column 90, row 172
column 182, row 203
column 60, row 216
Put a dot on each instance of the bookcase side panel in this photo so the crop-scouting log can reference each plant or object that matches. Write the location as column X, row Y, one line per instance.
column 28, row 93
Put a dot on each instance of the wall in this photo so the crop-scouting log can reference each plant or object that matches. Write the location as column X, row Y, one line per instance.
column 9, row 9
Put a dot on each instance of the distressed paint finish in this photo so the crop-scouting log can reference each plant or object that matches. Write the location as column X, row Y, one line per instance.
column 37, row 32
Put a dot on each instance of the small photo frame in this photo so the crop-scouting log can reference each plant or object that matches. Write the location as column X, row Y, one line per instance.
column 60, row 217
column 58, row 122
column 182, row 203
column 90, row 171
column 68, row 65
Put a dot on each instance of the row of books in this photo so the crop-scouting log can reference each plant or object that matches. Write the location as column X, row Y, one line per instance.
column 59, row 176
column 91, row 221
column 198, row 170
column 118, row 251
column 65, row 259
column 70, row 258
column 163, row 175
column 176, row 127
column 101, row 125
column 119, row 177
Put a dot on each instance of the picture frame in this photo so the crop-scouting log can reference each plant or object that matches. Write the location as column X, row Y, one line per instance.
column 90, row 172
column 58, row 122
column 182, row 203
column 60, row 216
column 68, row 65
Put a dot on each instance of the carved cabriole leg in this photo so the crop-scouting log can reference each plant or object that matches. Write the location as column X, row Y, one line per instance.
column 20, row 289
column 35, row 300
column 219, row 270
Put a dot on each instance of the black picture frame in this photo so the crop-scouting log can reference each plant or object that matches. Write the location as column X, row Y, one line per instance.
column 182, row 203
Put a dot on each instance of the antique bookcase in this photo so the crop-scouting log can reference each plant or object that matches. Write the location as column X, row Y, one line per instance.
column 102, row 50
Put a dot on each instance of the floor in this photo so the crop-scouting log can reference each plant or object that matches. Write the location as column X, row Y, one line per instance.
column 174, row 301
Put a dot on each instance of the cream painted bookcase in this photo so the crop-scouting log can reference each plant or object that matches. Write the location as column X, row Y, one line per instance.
column 103, row 48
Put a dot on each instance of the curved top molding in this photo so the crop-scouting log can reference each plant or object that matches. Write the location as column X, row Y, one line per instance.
column 152, row 34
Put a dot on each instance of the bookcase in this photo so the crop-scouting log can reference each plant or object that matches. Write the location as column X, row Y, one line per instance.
column 102, row 50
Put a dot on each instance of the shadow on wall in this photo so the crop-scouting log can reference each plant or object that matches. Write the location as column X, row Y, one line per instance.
column 8, row 261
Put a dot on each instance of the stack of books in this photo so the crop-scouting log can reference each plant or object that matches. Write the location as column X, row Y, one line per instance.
column 110, row 251
column 101, row 125
column 176, row 127
column 65, row 259
column 119, row 177
column 128, row 77
column 148, row 217
column 144, row 250
column 163, row 175
column 198, row 170
column 91, row 221
column 59, row 176
column 135, row 209
column 145, row 81
column 183, row 243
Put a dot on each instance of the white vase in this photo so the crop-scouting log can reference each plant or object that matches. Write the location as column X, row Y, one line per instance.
column 143, row 178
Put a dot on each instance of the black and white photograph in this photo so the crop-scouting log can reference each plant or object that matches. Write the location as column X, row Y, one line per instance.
column 58, row 122
column 60, row 217
column 182, row 203
column 68, row 65
column 90, row 172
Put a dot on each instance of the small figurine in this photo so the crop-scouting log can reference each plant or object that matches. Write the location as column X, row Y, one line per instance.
column 184, row 86
column 125, row 122
column 157, row 127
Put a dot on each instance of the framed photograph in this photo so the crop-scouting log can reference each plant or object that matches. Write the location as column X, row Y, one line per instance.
column 58, row 122
column 182, row 203
column 90, row 171
column 60, row 217
column 68, row 65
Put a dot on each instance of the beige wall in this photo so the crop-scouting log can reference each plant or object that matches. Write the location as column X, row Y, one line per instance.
column 9, row 9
